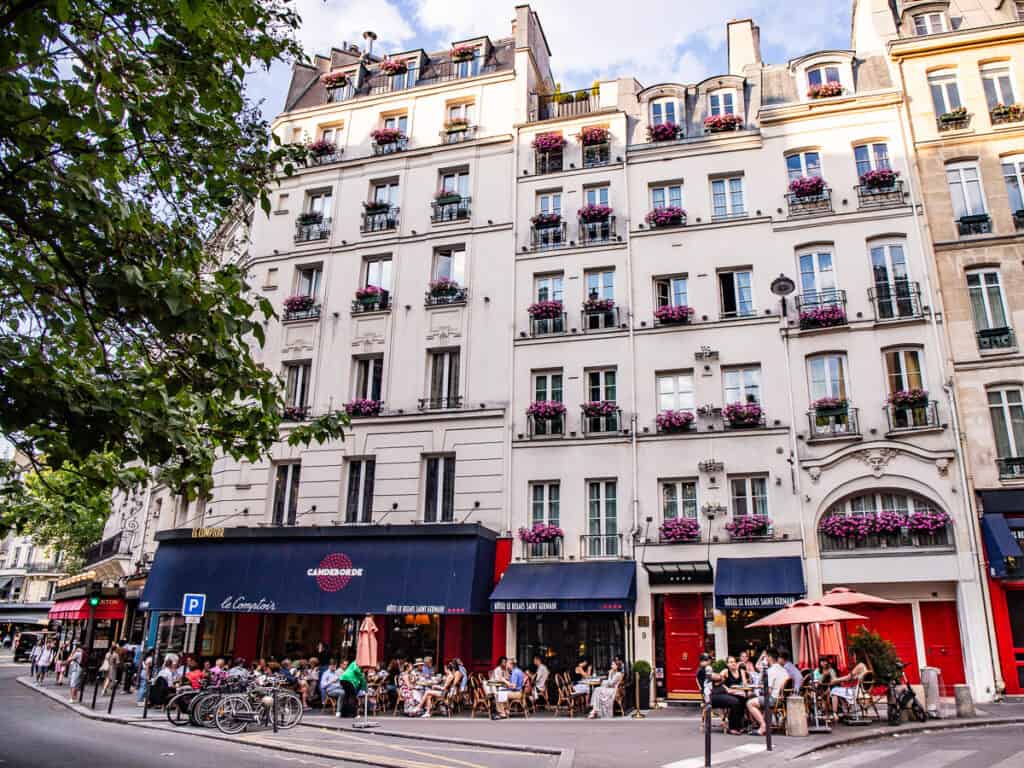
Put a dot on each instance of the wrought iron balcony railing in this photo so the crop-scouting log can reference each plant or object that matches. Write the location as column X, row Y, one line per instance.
column 904, row 418
column 301, row 315
column 1018, row 220
column 597, row 546
column 546, row 326
column 896, row 301
column 380, row 219
column 1009, row 113
column 1011, row 468
column 822, row 309
column 833, row 422
column 380, row 303
column 109, row 547
column 439, row 403
column 808, row 205
column 391, row 147
column 568, row 104
column 597, row 232
column 601, row 425
column 441, row 299
column 600, row 319
column 878, row 197
column 450, row 209
column 544, row 238
column 545, row 428
column 995, row 339
column 457, row 136
column 543, row 550
column 903, row 539
column 953, row 121
column 976, row 224
column 311, row 231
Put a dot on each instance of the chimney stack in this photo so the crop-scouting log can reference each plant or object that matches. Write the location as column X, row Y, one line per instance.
column 369, row 37
column 744, row 39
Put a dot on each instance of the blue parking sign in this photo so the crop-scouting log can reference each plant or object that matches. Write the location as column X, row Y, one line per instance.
column 193, row 605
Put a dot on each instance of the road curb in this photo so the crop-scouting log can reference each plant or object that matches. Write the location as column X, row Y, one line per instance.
column 911, row 729
column 78, row 709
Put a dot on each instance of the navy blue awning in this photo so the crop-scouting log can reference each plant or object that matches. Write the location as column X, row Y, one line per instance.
column 1000, row 544
column 562, row 587
column 758, row 582
column 382, row 573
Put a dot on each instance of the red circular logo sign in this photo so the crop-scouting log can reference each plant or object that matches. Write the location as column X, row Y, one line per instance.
column 334, row 572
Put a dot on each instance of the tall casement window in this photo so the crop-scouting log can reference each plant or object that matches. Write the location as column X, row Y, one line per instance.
column 549, row 202
column 749, row 495
column 871, row 157
column 998, row 84
column 1013, row 174
column 450, row 264
column 547, row 386
column 663, row 111
column 727, row 197
column 822, row 75
column 736, row 293
column 444, row 379
column 545, row 500
column 469, row 67
column 597, row 195
column 330, row 133
column 929, row 23
column 817, row 277
column 465, row 110
column 1006, row 407
column 378, row 272
column 893, row 293
column 667, row 196
column 359, row 495
column 678, row 499
column 722, row 102
column 671, row 291
column 296, row 377
column 396, row 123
column 440, row 493
column 675, row 391
column 803, row 164
column 903, row 374
column 319, row 202
column 945, row 91
column 601, row 284
column 455, row 183
column 549, row 235
column 406, row 79
column 369, row 375
column 286, row 493
column 602, row 386
column 548, row 288
column 386, row 192
column 968, row 198
column 988, row 305
column 602, row 519
column 742, row 385
column 307, row 281
column 830, row 413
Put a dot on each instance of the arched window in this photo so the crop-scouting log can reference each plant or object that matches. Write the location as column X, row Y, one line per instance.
column 884, row 519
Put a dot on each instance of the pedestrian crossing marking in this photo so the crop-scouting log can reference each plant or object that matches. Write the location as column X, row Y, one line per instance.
column 937, row 759
column 1013, row 761
column 717, row 758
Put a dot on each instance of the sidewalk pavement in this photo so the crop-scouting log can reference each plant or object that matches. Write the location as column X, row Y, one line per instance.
column 658, row 740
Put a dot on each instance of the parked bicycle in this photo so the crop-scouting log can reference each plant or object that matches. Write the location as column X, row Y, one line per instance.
column 902, row 698
column 198, row 707
column 257, row 706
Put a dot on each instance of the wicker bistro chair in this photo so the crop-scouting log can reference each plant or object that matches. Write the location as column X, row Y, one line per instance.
column 778, row 713
column 567, row 700
column 523, row 703
column 620, row 697
column 481, row 701
column 866, row 700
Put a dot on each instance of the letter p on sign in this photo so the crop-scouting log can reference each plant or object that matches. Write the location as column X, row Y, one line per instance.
column 193, row 605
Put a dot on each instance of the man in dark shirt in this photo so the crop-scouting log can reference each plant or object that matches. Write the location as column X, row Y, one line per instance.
column 703, row 667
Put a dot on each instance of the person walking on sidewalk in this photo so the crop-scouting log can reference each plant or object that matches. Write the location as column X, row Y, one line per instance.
column 145, row 672
column 75, row 674
column 43, row 662
column 111, row 665
column 33, row 657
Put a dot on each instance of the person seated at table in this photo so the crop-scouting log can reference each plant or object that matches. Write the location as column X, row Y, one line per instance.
column 703, row 669
column 516, row 679
column 195, row 674
column 775, row 677
column 584, row 669
column 439, row 693
column 428, row 666
column 602, row 700
column 330, row 687
column 463, row 675
column 824, row 674
column 735, row 677
column 540, row 680
column 722, row 697
column 844, row 692
column 747, row 664
column 792, row 670
column 499, row 672
column 408, row 693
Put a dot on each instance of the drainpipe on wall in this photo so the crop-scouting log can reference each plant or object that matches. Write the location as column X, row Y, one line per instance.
column 928, row 258
column 634, row 421
column 512, row 335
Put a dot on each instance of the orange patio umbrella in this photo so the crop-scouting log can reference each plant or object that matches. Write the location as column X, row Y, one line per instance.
column 804, row 612
column 842, row 596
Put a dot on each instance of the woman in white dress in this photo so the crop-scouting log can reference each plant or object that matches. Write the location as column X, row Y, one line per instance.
column 602, row 700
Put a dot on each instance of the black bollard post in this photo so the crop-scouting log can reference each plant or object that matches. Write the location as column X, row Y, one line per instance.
column 113, row 693
column 707, row 736
column 273, row 708
column 95, row 690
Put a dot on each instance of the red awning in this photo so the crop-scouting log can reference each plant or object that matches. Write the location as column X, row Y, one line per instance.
column 78, row 609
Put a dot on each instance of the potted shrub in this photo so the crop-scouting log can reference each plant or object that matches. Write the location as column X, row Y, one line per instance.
column 463, row 52
column 953, row 116
column 334, row 79
column 443, row 286
column 680, row 529
column 594, row 213
column 546, row 310
column 822, row 317
column 880, row 653
column 642, row 670
column 546, row 142
column 667, row 131
column 668, row 314
column 545, row 220
column 598, row 408
column 825, row 90
column 719, row 123
column 674, row 421
column 394, row 67
column 830, row 406
column 320, row 148
column 909, row 398
column 748, row 526
column 540, row 534
column 669, row 215
column 546, row 410
column 598, row 305
column 363, row 407
column 369, row 295
column 743, row 414
column 386, row 136
column 883, row 178
column 446, row 196
column 299, row 303
column 309, row 217
column 807, row 186
column 593, row 136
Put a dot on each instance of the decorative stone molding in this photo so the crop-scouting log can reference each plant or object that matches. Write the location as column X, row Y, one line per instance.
column 877, row 459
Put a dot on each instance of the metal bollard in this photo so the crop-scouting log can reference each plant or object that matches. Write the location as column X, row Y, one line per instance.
column 707, row 736
column 113, row 695
column 95, row 691
column 273, row 708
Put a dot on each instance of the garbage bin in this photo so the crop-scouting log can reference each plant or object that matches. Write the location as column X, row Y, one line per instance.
column 931, row 683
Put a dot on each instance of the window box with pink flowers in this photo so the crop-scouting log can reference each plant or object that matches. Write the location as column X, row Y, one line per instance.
column 363, row 408
column 674, row 422
column 674, row 315
column 679, row 530
column 743, row 415
column 825, row 90
column 667, row 131
column 745, row 527
column 722, row 123
column 667, row 216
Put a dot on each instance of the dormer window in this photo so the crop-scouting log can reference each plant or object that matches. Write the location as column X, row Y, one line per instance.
column 663, row 111
column 722, row 102
column 466, row 60
column 828, row 73
column 931, row 23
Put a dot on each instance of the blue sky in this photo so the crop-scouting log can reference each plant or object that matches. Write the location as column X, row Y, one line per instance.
column 658, row 41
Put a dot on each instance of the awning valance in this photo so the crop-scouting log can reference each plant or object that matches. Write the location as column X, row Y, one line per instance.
column 758, row 582
column 77, row 609
column 561, row 587
column 1001, row 546
column 385, row 573
column 698, row 572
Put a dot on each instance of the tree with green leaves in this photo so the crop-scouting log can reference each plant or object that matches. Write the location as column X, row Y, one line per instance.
column 126, row 144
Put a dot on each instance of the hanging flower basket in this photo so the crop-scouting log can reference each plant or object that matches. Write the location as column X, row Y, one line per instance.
column 594, row 213
column 822, row 317
column 674, row 421
column 671, row 215
column 546, row 410
column 540, row 534
column 594, row 135
column 883, row 178
column 394, row 67
column 334, row 79
column 299, row 303
column 546, row 310
column 546, row 142
column 463, row 52
column 386, row 135
column 743, row 414
column 830, row 406
column 927, row 521
column 320, row 148
column 680, row 529
column 363, row 407
column 677, row 315
column 599, row 408
column 720, row 123
column 807, row 186
column 825, row 90
column 854, row 527
column 309, row 217
column 889, row 522
column 909, row 397
column 664, row 132
column 443, row 286
column 369, row 295
column 749, row 526
column 545, row 220
column 456, row 125
column 599, row 305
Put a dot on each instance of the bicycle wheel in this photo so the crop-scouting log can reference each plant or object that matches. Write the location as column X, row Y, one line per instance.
column 289, row 710
column 919, row 712
column 233, row 714
column 198, row 703
column 177, row 708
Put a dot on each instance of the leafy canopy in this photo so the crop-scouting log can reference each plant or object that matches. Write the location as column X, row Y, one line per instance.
column 127, row 148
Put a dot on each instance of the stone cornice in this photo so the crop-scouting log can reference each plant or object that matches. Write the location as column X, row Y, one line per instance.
column 809, row 110
column 926, row 45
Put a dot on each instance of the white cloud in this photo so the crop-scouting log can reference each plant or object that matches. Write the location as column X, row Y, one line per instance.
column 327, row 23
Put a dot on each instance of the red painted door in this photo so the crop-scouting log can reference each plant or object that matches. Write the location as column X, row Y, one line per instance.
column 942, row 648
column 684, row 643
column 894, row 623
